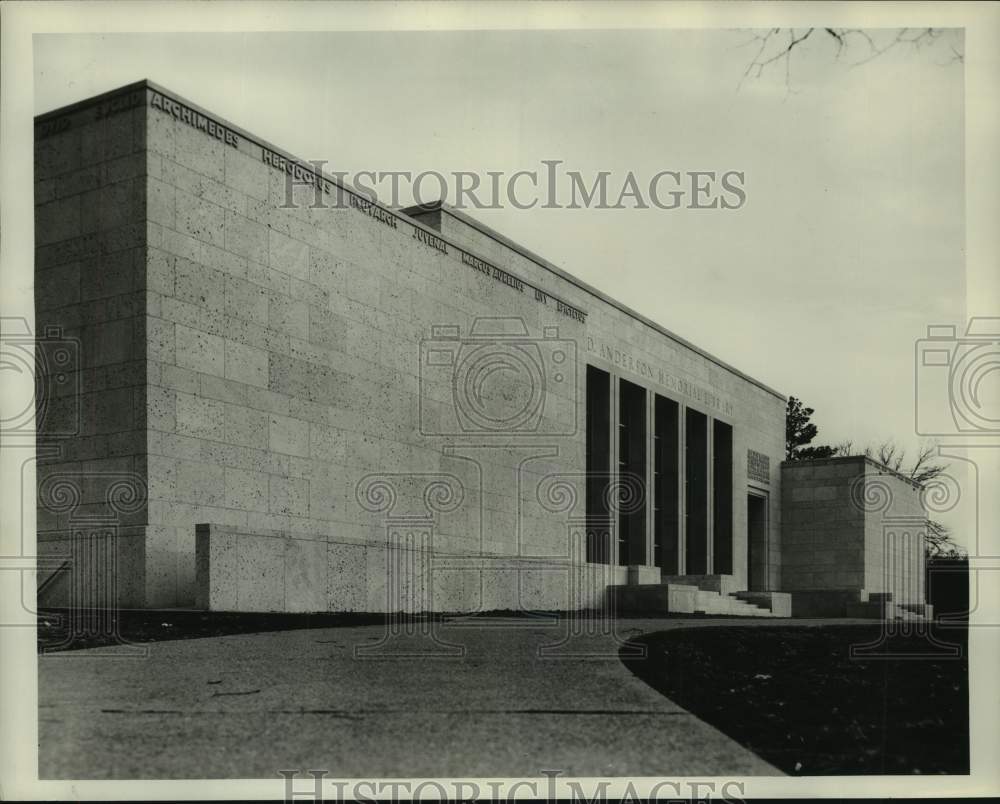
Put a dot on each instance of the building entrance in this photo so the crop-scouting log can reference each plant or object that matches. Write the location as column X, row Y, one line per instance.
column 757, row 558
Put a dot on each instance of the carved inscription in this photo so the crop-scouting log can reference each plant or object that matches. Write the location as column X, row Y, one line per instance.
column 572, row 312
column 508, row 279
column 300, row 174
column 495, row 273
column 430, row 240
column 498, row 274
column 194, row 119
column 758, row 466
column 374, row 211
column 661, row 376
column 480, row 265
column 48, row 128
column 121, row 103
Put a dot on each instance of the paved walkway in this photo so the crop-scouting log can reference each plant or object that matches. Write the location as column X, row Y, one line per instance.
column 486, row 698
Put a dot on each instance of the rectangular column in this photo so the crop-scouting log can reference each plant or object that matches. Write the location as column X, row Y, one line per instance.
column 632, row 469
column 651, row 475
column 696, row 499
column 598, row 464
column 666, row 485
column 722, row 498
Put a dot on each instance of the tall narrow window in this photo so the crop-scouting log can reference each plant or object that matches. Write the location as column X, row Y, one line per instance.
column 666, row 466
column 598, row 465
column 757, row 543
column 722, row 498
column 696, row 492
column 632, row 473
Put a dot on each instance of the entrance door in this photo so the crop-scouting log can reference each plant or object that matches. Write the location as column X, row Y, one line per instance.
column 757, row 558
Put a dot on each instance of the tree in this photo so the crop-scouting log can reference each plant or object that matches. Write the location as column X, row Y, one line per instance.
column 940, row 543
column 924, row 469
column 799, row 433
column 774, row 46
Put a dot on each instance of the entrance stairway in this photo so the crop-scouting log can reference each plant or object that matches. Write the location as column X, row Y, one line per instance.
column 696, row 594
column 880, row 606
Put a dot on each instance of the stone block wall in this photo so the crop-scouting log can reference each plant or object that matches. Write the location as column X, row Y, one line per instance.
column 895, row 536
column 625, row 345
column 823, row 541
column 89, row 332
column 273, row 356
column 254, row 570
column 851, row 525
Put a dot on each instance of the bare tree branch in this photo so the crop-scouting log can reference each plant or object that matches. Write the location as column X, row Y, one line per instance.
column 940, row 543
column 772, row 47
column 923, row 469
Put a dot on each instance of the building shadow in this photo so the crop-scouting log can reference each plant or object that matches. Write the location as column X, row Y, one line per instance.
column 795, row 696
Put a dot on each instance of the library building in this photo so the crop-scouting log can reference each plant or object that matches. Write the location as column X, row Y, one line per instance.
column 259, row 390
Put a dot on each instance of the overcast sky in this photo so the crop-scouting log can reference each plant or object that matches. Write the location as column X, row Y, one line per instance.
column 849, row 244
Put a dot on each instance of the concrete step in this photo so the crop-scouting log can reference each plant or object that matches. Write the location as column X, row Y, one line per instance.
column 778, row 603
column 879, row 609
column 709, row 603
column 653, row 599
column 714, row 603
column 753, row 610
column 721, row 584
column 921, row 609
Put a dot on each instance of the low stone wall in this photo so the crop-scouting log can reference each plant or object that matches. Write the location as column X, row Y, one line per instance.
column 850, row 527
column 823, row 602
column 243, row 570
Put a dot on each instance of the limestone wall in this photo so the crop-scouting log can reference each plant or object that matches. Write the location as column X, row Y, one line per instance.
column 254, row 570
column 851, row 524
column 292, row 360
column 895, row 537
column 823, row 541
column 89, row 328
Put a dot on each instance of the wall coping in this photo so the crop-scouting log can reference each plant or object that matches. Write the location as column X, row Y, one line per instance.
column 863, row 459
column 529, row 255
column 413, row 221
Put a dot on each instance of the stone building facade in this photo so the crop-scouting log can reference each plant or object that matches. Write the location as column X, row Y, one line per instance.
column 289, row 397
column 854, row 533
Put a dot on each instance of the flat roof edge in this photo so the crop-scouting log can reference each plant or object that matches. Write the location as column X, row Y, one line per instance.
column 83, row 104
column 866, row 459
column 599, row 294
column 408, row 214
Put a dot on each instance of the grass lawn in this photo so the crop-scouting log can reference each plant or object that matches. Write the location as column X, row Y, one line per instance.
column 797, row 698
